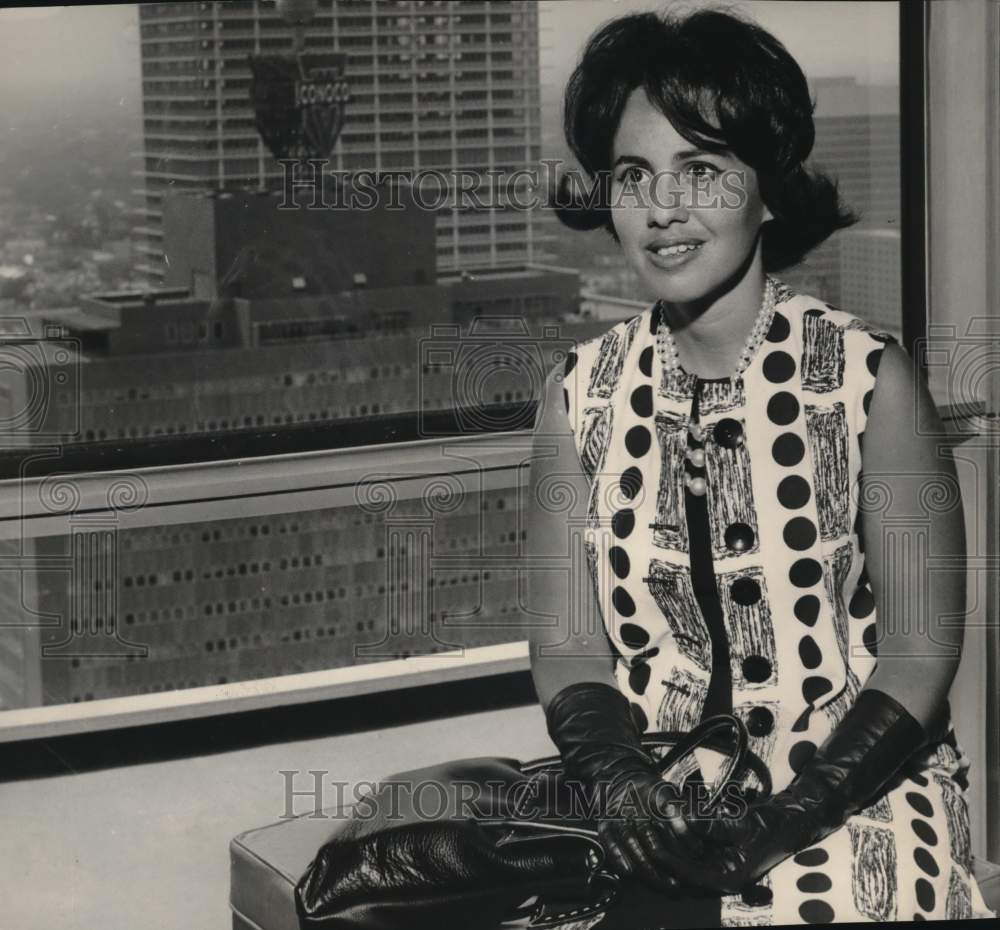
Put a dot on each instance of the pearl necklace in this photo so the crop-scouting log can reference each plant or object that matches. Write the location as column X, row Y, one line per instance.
column 668, row 348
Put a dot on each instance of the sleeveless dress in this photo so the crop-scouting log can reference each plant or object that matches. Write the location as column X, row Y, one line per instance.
column 753, row 599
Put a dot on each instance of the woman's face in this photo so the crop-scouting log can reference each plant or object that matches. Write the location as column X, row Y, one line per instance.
column 688, row 220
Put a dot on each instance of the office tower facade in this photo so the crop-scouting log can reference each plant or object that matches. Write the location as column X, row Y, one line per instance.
column 871, row 275
column 857, row 142
column 432, row 84
column 219, row 601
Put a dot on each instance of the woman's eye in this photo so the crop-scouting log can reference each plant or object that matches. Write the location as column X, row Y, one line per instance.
column 630, row 174
column 702, row 169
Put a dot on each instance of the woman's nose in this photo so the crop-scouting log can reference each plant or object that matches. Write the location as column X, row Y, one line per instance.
column 669, row 199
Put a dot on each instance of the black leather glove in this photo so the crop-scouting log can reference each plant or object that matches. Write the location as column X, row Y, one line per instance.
column 640, row 820
column 865, row 750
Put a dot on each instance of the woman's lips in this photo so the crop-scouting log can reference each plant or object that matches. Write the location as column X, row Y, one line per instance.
column 670, row 261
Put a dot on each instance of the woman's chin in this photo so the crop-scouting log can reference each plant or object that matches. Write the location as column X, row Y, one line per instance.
column 676, row 287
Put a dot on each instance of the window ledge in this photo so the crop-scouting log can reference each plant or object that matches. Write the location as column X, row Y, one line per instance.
column 192, row 703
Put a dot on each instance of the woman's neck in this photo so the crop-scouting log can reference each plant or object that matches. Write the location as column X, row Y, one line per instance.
column 711, row 334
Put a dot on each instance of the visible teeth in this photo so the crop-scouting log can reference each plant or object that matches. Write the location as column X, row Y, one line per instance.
column 677, row 249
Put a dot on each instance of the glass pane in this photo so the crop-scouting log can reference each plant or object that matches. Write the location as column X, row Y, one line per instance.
column 156, row 232
column 104, row 611
column 255, row 331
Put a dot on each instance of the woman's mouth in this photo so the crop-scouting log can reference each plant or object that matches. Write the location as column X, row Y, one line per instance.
column 672, row 256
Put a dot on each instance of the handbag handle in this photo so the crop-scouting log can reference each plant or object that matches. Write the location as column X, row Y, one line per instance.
column 710, row 733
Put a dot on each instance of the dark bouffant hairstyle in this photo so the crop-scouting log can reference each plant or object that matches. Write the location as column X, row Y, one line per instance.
column 706, row 65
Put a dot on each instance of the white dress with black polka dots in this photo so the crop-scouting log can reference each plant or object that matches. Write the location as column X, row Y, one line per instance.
column 782, row 461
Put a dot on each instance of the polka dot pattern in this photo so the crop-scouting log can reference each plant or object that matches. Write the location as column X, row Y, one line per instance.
column 638, row 441
column 814, row 883
column 633, row 635
column 788, row 450
column 778, row 367
column 646, row 361
column 757, row 896
column 815, row 911
column 794, row 492
column 801, row 724
column 805, row 573
column 623, row 522
column 870, row 639
column 642, row 401
column 809, row 652
column 638, row 678
column 800, row 754
column 813, row 857
column 807, row 609
column 630, row 483
column 925, row 894
column 920, row 804
column 862, row 603
column 815, row 686
column 925, row 832
column 780, row 328
column 799, row 533
column 926, row 862
column 623, row 602
column 619, row 559
column 782, row 408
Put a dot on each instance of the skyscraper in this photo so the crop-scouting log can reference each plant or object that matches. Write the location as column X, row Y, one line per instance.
column 432, row 84
column 857, row 142
column 870, row 275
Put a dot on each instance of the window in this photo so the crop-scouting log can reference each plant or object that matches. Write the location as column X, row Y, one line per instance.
column 256, row 342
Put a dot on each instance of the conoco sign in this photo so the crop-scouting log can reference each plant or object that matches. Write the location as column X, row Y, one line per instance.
column 299, row 102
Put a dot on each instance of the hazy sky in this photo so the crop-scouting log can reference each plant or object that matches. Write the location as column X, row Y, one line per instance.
column 95, row 49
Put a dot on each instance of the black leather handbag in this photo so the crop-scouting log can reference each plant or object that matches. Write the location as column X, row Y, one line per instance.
column 491, row 843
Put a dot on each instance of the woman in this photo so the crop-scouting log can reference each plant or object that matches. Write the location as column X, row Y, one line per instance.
column 716, row 442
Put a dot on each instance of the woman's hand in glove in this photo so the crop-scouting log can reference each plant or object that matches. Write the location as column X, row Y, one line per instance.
column 765, row 834
column 591, row 724
column 642, row 828
column 858, row 760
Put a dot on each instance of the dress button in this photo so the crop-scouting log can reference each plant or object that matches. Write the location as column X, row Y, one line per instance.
column 760, row 721
column 756, row 669
column 728, row 433
column 745, row 591
column 739, row 537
